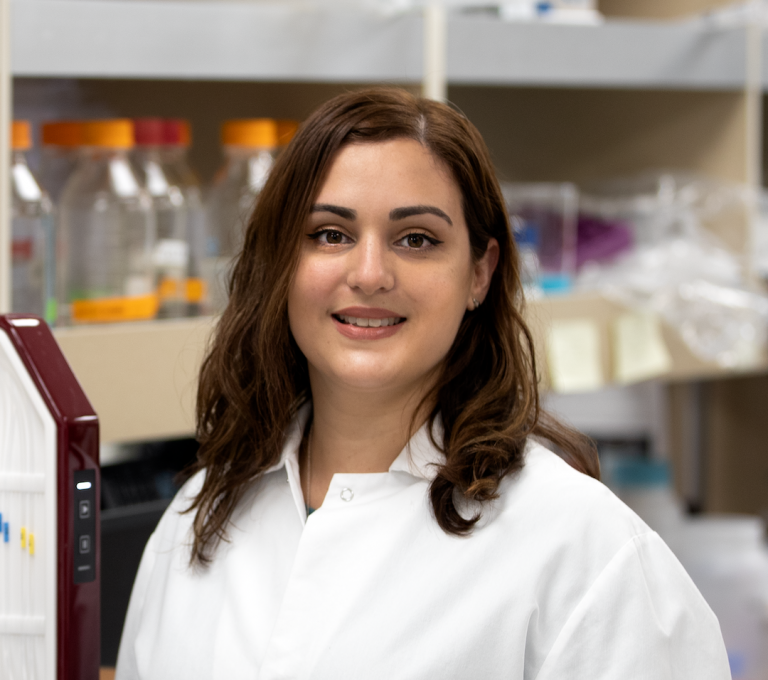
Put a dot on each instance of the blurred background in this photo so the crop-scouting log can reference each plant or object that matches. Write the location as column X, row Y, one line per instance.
column 628, row 137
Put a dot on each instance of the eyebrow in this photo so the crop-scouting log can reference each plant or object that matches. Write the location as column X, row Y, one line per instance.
column 402, row 213
column 346, row 213
column 394, row 215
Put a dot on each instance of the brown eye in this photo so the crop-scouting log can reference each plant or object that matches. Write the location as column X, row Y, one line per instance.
column 415, row 240
column 333, row 237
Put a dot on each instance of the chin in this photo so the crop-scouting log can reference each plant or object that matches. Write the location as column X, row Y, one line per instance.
column 369, row 381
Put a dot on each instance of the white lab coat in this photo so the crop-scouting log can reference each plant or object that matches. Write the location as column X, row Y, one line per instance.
column 561, row 581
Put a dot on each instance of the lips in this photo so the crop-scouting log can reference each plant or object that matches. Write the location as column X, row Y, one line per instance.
column 367, row 323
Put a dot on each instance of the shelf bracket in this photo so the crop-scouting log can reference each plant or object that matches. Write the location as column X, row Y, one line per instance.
column 6, row 116
column 435, row 83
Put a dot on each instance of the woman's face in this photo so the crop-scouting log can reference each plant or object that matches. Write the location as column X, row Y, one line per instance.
column 385, row 273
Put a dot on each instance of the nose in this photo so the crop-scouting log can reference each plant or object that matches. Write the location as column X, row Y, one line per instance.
column 371, row 268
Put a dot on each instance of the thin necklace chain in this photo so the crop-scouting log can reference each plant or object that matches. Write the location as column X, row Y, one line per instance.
column 309, row 471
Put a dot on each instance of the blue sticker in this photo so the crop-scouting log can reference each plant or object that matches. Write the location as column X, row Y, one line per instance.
column 6, row 537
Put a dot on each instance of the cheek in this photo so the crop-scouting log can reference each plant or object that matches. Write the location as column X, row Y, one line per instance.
column 311, row 285
column 444, row 290
column 309, row 300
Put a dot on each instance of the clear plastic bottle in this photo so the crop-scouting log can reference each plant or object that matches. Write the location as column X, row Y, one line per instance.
column 61, row 144
column 32, row 238
column 106, row 234
column 527, row 239
column 171, row 255
column 250, row 148
column 178, row 138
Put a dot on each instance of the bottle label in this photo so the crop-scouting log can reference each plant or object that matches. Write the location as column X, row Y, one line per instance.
column 171, row 253
column 115, row 309
column 22, row 249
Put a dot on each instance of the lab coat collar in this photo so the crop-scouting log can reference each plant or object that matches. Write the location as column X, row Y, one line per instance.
column 420, row 457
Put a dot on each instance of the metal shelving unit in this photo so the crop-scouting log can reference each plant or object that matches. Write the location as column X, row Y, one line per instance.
column 140, row 377
column 284, row 42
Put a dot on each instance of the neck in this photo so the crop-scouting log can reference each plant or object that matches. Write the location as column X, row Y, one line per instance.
column 354, row 432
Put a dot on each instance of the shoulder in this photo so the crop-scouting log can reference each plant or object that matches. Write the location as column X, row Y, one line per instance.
column 566, row 522
column 601, row 579
column 550, row 488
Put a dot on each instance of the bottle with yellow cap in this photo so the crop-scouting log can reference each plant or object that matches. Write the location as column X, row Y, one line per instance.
column 32, row 238
column 177, row 138
column 106, row 235
column 250, row 147
column 171, row 216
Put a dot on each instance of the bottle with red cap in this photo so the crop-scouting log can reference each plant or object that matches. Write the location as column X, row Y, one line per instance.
column 171, row 255
column 106, row 234
column 250, row 147
column 173, row 154
column 32, row 247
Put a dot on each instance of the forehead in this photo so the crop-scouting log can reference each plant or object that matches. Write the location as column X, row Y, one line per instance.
column 399, row 171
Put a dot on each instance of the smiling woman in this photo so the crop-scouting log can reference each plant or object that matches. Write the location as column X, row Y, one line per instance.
column 372, row 497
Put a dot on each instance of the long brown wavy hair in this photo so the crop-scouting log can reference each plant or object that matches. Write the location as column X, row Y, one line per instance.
column 254, row 377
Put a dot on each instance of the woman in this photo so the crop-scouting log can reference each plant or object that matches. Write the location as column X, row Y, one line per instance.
column 371, row 500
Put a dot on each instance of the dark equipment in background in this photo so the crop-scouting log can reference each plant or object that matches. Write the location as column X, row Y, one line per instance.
column 134, row 495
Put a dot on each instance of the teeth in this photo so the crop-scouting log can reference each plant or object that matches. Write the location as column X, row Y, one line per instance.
column 365, row 323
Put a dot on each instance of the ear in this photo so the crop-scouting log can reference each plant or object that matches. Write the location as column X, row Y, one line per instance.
column 482, row 274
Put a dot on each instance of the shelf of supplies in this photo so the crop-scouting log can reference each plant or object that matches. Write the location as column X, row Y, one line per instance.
column 210, row 40
column 141, row 378
column 603, row 312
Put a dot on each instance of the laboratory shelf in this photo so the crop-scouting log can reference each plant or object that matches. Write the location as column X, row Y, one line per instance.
column 287, row 42
column 141, row 377
column 625, row 54
column 212, row 40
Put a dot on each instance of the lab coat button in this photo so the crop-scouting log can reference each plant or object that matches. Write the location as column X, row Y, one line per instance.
column 347, row 495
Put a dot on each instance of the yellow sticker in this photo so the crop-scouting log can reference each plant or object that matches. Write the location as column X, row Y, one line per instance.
column 115, row 309
column 639, row 350
column 31, row 544
column 23, row 538
column 169, row 289
column 573, row 351
column 195, row 290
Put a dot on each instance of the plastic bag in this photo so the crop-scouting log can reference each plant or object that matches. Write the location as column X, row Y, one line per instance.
column 679, row 270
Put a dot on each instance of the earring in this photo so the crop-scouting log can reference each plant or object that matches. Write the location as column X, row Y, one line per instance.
column 476, row 303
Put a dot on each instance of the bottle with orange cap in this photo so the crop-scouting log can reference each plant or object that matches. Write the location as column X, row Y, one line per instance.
column 106, row 234
column 250, row 147
column 32, row 246
column 177, row 137
column 61, row 144
column 170, row 207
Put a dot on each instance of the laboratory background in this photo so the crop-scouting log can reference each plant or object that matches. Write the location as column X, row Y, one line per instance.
column 628, row 136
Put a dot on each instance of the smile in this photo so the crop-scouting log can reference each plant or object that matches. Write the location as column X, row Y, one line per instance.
column 363, row 322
